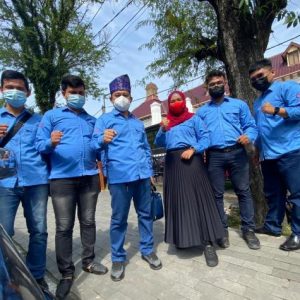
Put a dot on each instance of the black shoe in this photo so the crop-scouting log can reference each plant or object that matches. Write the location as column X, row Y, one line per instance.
column 42, row 284
column 117, row 270
column 153, row 261
column 224, row 242
column 95, row 268
column 64, row 287
column 263, row 230
column 292, row 243
column 251, row 239
column 211, row 256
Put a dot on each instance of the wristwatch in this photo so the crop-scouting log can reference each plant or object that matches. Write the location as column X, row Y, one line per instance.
column 276, row 111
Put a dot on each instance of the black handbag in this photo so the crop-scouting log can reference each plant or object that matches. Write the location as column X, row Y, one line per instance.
column 157, row 209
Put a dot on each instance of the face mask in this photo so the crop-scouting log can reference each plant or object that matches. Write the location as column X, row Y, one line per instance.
column 122, row 103
column 75, row 101
column 261, row 84
column 177, row 107
column 15, row 98
column 217, row 91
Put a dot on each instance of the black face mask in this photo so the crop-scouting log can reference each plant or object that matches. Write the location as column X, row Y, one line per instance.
column 261, row 84
column 217, row 91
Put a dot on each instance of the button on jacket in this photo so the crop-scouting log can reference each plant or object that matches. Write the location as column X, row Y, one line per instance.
column 31, row 168
column 73, row 156
column 128, row 155
column 227, row 121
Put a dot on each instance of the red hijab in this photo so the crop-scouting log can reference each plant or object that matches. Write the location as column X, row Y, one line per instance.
column 177, row 115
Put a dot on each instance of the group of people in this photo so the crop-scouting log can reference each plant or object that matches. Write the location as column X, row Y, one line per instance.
column 58, row 153
column 222, row 132
column 62, row 148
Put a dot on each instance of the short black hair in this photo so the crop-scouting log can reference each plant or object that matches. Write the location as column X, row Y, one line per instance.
column 263, row 63
column 71, row 81
column 11, row 74
column 214, row 73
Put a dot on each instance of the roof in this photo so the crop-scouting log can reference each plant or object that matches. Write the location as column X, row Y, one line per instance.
column 279, row 63
column 144, row 110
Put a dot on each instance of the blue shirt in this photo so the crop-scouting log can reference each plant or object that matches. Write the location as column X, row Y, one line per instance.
column 191, row 133
column 73, row 156
column 128, row 155
column 31, row 168
column 278, row 135
column 227, row 121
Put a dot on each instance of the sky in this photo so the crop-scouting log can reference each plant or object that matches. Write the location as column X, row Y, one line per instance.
column 126, row 58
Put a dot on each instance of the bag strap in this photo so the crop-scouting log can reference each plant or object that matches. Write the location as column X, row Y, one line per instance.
column 14, row 129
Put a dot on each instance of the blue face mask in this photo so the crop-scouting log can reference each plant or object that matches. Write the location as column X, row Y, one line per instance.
column 75, row 101
column 15, row 98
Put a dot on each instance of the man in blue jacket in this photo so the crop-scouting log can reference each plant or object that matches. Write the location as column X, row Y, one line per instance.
column 129, row 167
column 231, row 127
column 29, row 185
column 65, row 135
column 277, row 113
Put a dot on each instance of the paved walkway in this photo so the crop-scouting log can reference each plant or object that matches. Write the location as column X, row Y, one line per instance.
column 242, row 273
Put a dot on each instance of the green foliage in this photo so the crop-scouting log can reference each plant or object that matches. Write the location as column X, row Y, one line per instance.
column 188, row 32
column 185, row 33
column 47, row 39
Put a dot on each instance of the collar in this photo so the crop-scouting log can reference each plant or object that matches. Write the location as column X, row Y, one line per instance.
column 4, row 111
column 66, row 108
column 226, row 99
column 117, row 113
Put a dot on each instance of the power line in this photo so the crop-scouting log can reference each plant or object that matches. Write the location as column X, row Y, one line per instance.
column 115, row 16
column 122, row 28
column 283, row 42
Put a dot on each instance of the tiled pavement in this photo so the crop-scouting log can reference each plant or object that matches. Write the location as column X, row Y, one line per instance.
column 242, row 273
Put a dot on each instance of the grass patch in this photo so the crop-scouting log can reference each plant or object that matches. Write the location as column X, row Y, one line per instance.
column 233, row 217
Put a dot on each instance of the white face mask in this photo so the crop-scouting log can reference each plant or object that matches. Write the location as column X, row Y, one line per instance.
column 122, row 103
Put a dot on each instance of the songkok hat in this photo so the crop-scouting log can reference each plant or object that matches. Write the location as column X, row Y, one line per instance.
column 120, row 83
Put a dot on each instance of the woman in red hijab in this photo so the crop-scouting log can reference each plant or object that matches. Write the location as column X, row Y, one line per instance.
column 192, row 218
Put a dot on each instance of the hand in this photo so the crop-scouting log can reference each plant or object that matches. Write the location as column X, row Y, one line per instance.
column 243, row 140
column 187, row 154
column 108, row 136
column 3, row 130
column 268, row 108
column 56, row 137
column 164, row 124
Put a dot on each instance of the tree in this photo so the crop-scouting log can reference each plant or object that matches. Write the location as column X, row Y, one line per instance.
column 234, row 33
column 47, row 39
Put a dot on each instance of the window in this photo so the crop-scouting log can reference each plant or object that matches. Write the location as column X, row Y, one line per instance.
column 293, row 58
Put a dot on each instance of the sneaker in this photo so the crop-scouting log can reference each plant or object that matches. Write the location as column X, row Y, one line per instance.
column 95, row 268
column 153, row 261
column 64, row 287
column 211, row 256
column 251, row 239
column 117, row 270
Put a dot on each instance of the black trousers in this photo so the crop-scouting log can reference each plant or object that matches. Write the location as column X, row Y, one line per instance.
column 66, row 195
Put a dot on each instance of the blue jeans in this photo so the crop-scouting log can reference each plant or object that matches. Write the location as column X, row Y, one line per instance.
column 34, row 201
column 282, row 175
column 237, row 164
column 121, row 195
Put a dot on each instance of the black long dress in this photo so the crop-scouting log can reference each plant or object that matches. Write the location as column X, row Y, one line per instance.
column 191, row 215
